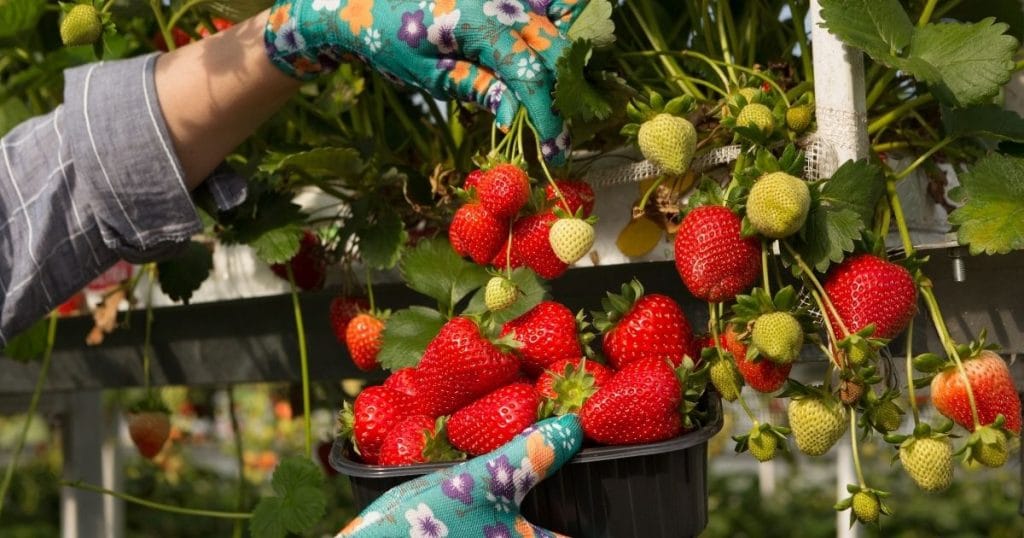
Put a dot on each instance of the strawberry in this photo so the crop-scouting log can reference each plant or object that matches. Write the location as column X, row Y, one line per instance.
column 500, row 293
column 571, row 239
column 532, row 248
column 375, row 412
column 149, row 431
column 715, row 262
column 494, row 419
column 725, row 378
column 762, row 443
column 82, row 25
column 416, row 439
column 504, row 190
column 668, row 141
column 343, row 309
column 404, row 380
column 866, row 506
column 547, row 334
column 460, row 365
column 309, row 265
column 993, row 387
column 640, row 404
column 817, row 421
column 760, row 374
column 547, row 384
column 180, row 37
column 778, row 337
column 472, row 181
column 928, row 461
column 476, row 233
column 638, row 326
column 756, row 116
column 219, row 23
column 798, row 118
column 777, row 205
column 867, row 290
column 579, row 195
column 363, row 339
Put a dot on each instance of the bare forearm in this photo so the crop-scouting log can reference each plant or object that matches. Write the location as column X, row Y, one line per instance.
column 214, row 93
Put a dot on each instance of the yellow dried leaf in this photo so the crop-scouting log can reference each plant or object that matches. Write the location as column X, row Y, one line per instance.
column 639, row 237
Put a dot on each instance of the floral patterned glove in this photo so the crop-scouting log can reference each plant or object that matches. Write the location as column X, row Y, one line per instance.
column 478, row 498
column 498, row 53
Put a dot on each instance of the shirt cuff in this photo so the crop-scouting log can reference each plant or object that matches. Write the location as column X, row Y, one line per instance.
column 123, row 153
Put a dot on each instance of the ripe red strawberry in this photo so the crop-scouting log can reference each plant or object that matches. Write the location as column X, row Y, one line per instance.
column 866, row 289
column 494, row 419
column 476, row 233
column 363, row 337
column 504, row 190
column 697, row 347
column 993, row 387
column 309, row 265
column 459, row 366
column 416, row 439
column 578, row 194
column 372, row 416
column 532, row 248
column 640, row 404
column 149, row 431
column 219, row 23
column 180, row 37
column 545, row 383
column 547, row 333
column 472, row 180
column 404, row 380
column 652, row 326
column 762, row 375
column 343, row 309
column 714, row 261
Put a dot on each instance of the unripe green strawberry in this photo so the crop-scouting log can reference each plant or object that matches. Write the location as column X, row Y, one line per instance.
column 726, row 379
column 887, row 416
column 992, row 454
column 866, row 507
column 798, row 118
column 757, row 116
column 668, row 141
column 748, row 95
column 500, row 293
column 571, row 239
column 777, row 205
column 81, row 26
column 929, row 461
column 763, row 445
column 817, row 424
column 778, row 336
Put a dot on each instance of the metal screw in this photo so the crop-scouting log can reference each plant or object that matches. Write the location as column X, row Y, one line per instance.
column 959, row 266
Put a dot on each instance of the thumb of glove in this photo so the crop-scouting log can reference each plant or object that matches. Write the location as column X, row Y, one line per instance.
column 476, row 498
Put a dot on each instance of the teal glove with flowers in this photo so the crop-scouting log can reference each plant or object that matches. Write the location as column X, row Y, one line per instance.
column 500, row 54
column 478, row 498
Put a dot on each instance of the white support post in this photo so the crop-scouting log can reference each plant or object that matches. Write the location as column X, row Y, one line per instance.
column 84, row 429
column 841, row 113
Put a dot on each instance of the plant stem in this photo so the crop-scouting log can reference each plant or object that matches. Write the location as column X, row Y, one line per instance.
column 920, row 160
column 901, row 221
column 147, row 344
column 878, row 89
column 369, row 289
column 891, row 116
column 801, row 39
column 817, row 285
column 303, row 362
column 831, row 334
column 165, row 29
column 78, row 484
column 51, row 336
column 176, row 16
column 658, row 44
column 940, row 327
column 764, row 267
column 926, row 15
column 746, row 409
column 723, row 38
column 853, row 448
column 910, row 374
column 237, row 531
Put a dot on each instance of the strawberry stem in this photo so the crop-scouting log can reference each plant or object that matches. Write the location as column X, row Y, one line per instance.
column 78, row 484
column 508, row 253
column 303, row 362
column 809, row 274
column 369, row 290
column 746, row 408
column 947, row 341
column 544, row 166
column 147, row 344
column 853, row 448
column 239, row 452
column 51, row 335
column 764, row 267
column 647, row 194
column 920, row 160
column 830, row 332
column 910, row 374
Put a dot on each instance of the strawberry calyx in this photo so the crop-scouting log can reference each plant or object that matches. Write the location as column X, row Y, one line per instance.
column 436, row 446
column 639, row 111
column 865, row 504
column 616, row 305
column 573, row 386
column 988, row 444
column 151, row 403
column 760, row 306
column 758, row 440
column 585, row 337
column 693, row 380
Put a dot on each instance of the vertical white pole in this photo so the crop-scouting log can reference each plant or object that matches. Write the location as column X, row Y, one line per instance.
column 841, row 113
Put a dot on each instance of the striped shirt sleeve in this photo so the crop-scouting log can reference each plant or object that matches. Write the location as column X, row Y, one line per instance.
column 94, row 181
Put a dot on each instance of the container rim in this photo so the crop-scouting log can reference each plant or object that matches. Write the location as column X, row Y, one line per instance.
column 340, row 462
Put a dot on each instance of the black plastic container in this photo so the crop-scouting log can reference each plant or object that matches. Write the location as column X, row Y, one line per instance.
column 650, row 491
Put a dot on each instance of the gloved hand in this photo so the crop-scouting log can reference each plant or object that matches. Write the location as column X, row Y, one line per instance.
column 478, row 498
column 498, row 53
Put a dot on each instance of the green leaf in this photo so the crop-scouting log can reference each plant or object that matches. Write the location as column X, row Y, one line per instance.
column 856, row 185
column 594, row 24
column 278, row 245
column 321, row 162
column 992, row 217
column 532, row 290
column 406, row 336
column 1008, row 11
column 989, row 121
column 381, row 241
column 29, row 344
column 965, row 63
column 18, row 16
column 183, row 274
column 829, row 233
column 435, row 270
column 586, row 96
column 879, row 27
column 299, row 504
column 13, row 112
